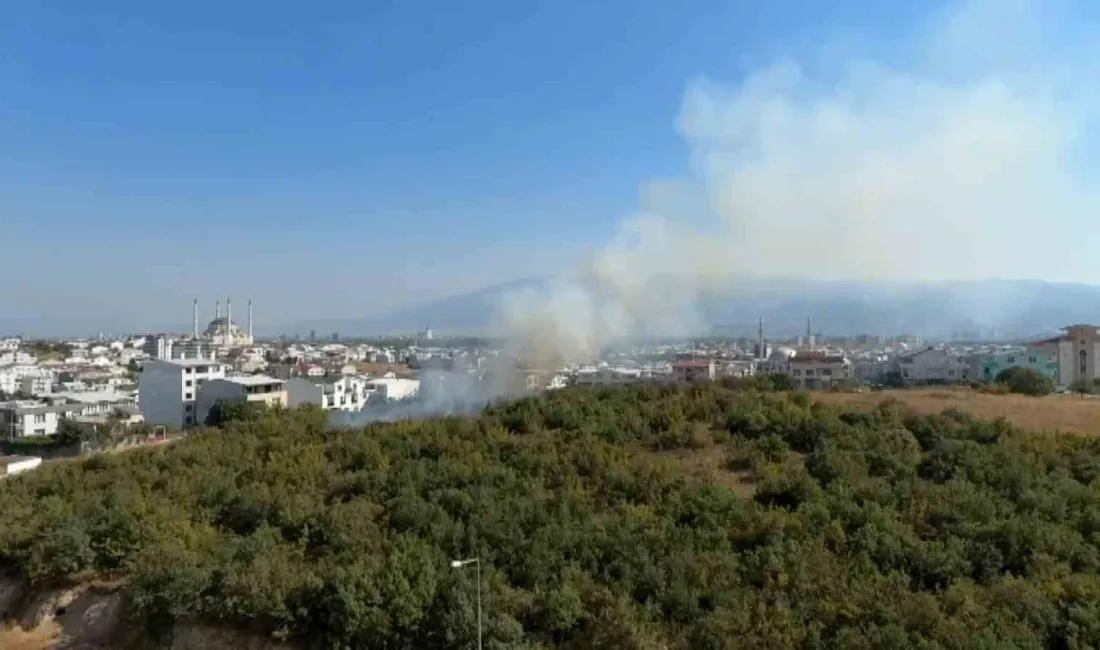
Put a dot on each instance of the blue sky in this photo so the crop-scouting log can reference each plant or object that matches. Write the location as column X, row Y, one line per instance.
column 338, row 159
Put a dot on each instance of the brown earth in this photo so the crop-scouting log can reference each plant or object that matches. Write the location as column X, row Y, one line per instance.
column 1069, row 413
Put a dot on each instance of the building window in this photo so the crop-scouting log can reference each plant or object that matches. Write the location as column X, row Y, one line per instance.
column 1083, row 365
column 40, row 418
column 188, row 396
column 1033, row 359
column 796, row 372
column 826, row 372
column 1011, row 359
column 189, row 370
column 187, row 407
column 188, row 383
column 950, row 373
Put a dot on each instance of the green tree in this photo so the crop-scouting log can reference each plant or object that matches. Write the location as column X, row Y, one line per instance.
column 226, row 411
column 1025, row 381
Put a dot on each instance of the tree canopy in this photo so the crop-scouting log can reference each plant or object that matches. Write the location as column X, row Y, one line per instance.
column 1025, row 381
column 596, row 526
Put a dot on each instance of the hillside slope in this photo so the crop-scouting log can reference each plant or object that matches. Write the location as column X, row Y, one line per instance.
column 710, row 516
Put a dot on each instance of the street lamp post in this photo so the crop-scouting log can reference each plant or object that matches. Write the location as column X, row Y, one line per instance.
column 458, row 564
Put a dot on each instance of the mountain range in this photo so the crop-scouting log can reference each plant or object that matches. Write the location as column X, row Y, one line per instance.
column 989, row 308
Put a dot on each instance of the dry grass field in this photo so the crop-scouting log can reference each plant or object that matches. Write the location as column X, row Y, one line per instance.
column 1068, row 413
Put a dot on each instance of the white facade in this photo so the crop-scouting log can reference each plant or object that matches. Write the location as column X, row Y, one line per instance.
column 343, row 394
column 251, row 388
column 21, row 420
column 607, row 377
column 9, row 345
column 36, row 385
column 158, row 347
column 11, row 377
column 167, row 390
column 393, row 388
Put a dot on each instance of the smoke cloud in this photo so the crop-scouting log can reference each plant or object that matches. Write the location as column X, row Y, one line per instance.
column 955, row 157
column 959, row 159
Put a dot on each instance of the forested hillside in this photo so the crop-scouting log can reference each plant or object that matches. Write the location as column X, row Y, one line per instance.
column 707, row 516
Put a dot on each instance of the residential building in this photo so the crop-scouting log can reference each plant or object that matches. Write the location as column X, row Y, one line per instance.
column 22, row 419
column 607, row 377
column 9, row 345
column 931, row 366
column 343, row 393
column 37, row 384
column 167, row 390
column 689, row 371
column 986, row 367
column 251, row 388
column 819, row 369
column 1076, row 351
column 158, row 347
column 393, row 388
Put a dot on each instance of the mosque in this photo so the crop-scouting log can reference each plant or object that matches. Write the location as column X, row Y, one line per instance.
column 223, row 332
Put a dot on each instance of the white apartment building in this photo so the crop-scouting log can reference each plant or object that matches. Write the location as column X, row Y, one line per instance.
column 9, row 345
column 158, row 347
column 23, row 419
column 12, row 376
column 167, row 390
column 393, row 388
column 344, row 393
column 932, row 366
column 17, row 357
column 816, row 369
column 36, row 385
column 251, row 388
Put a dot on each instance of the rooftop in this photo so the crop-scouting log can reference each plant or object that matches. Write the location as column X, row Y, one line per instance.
column 254, row 380
column 186, row 363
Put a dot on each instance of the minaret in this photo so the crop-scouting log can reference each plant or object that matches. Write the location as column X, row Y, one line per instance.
column 217, row 310
column 228, row 314
column 760, row 350
column 250, row 319
column 809, row 334
column 195, row 320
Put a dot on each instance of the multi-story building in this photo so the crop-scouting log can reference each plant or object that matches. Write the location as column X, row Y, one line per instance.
column 250, row 388
column 818, row 369
column 1076, row 351
column 986, row 367
column 158, row 347
column 607, row 377
column 343, row 393
column 167, row 390
column 9, row 345
column 931, row 366
column 36, row 385
column 393, row 388
column 22, row 419
column 688, row 371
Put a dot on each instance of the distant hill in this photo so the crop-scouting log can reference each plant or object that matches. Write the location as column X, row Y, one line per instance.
column 1010, row 307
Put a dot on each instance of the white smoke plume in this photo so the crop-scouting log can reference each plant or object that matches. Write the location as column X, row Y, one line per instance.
column 958, row 160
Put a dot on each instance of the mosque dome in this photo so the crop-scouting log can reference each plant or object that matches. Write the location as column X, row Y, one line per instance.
column 223, row 327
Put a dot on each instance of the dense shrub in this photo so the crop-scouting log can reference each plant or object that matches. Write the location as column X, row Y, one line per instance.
column 1025, row 381
column 862, row 529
